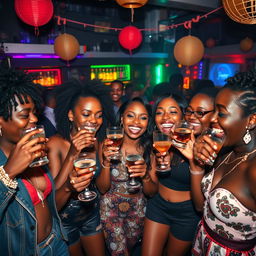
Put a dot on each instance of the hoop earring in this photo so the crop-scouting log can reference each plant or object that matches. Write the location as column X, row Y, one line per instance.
column 247, row 137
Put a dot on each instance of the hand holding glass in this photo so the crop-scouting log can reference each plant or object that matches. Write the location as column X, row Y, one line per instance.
column 218, row 137
column 130, row 159
column 115, row 134
column 85, row 161
column 182, row 134
column 39, row 161
column 162, row 144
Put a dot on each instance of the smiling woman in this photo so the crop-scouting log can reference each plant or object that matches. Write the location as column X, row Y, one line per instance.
column 29, row 220
column 228, row 196
column 82, row 112
column 123, row 201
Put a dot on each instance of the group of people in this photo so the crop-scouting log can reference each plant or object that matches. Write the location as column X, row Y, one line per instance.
column 204, row 204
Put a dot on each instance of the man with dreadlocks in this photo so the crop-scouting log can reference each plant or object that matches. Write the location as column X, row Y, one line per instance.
column 29, row 222
column 82, row 112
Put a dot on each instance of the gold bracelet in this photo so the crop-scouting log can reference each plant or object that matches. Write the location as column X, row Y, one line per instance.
column 104, row 166
column 7, row 181
column 196, row 172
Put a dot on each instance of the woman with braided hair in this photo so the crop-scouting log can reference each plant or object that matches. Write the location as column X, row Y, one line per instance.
column 82, row 112
column 227, row 194
column 29, row 222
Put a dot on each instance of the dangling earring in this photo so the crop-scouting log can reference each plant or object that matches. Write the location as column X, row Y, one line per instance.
column 1, row 132
column 247, row 137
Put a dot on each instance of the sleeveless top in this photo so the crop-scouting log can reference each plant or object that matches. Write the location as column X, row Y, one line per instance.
column 119, row 178
column 178, row 178
column 225, row 214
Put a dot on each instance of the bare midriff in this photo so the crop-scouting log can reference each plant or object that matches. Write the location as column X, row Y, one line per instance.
column 173, row 195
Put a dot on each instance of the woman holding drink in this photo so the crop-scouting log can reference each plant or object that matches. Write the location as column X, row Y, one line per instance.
column 30, row 224
column 124, row 185
column 171, row 219
column 227, row 194
column 81, row 122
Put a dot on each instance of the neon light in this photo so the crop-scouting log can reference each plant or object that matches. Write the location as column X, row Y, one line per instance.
column 158, row 74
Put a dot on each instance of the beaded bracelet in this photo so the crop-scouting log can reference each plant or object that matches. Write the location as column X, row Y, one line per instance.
column 104, row 166
column 196, row 172
column 4, row 177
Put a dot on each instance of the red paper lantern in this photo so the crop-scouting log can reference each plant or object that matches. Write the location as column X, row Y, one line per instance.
column 130, row 38
column 34, row 12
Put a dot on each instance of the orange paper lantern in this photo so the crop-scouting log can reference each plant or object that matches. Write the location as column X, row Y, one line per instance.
column 131, row 3
column 242, row 11
column 246, row 44
column 66, row 46
column 210, row 43
column 188, row 50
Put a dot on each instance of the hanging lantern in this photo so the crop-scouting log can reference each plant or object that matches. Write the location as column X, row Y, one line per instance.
column 246, row 44
column 210, row 43
column 34, row 12
column 188, row 50
column 66, row 46
column 242, row 11
column 130, row 38
column 131, row 3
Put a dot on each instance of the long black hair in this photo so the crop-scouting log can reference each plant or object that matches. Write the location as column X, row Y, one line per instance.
column 145, row 141
column 182, row 103
column 67, row 97
column 16, row 84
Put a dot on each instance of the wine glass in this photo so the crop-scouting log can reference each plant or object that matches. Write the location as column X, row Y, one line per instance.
column 85, row 160
column 39, row 161
column 132, row 184
column 115, row 134
column 162, row 144
column 218, row 137
column 182, row 134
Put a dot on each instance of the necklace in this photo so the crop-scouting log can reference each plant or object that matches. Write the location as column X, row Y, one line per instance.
column 39, row 192
column 243, row 159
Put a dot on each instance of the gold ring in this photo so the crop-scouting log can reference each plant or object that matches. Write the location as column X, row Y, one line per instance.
column 72, row 182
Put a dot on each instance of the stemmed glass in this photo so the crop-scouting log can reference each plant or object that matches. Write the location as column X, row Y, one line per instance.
column 132, row 184
column 115, row 134
column 162, row 144
column 85, row 160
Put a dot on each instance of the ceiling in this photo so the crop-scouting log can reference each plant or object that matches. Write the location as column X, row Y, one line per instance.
column 193, row 5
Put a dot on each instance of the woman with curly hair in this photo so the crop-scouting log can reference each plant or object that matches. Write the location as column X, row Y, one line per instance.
column 122, row 210
column 82, row 112
column 227, row 194
column 29, row 224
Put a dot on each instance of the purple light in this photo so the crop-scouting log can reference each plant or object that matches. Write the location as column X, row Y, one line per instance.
column 39, row 56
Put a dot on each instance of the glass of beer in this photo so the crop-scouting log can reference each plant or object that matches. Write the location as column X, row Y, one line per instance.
column 133, row 184
column 40, row 160
column 115, row 134
column 182, row 134
column 162, row 143
column 217, row 136
column 85, row 161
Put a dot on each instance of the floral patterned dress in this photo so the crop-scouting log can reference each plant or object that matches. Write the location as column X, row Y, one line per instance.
column 122, row 217
column 225, row 216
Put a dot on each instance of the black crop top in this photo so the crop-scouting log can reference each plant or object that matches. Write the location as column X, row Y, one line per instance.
column 178, row 178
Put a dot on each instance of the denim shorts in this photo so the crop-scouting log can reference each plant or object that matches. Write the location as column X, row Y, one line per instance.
column 181, row 216
column 81, row 219
column 53, row 245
